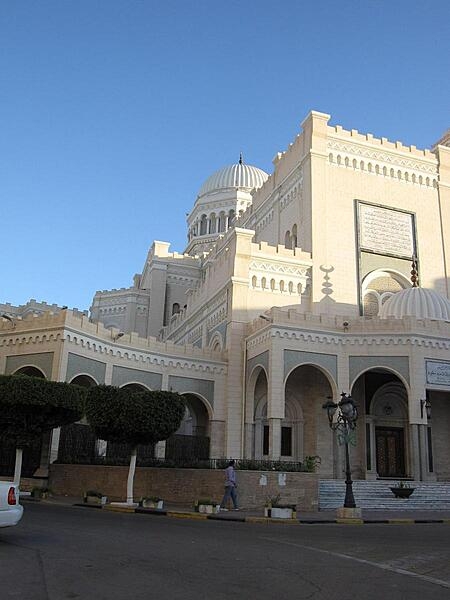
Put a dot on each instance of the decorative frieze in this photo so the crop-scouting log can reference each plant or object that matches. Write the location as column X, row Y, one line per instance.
column 366, row 159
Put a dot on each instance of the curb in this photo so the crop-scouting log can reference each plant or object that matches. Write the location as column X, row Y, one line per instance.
column 194, row 516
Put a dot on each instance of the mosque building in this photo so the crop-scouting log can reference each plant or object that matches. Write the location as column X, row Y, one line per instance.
column 329, row 275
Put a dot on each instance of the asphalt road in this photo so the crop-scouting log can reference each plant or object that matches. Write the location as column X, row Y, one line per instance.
column 59, row 553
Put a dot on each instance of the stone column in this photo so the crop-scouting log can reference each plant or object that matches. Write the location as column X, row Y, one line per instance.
column 426, row 475
column 274, row 439
column 372, row 472
column 160, row 449
column 414, row 457
column 217, row 439
column 54, row 448
column 108, row 373
column 258, row 440
column 249, row 435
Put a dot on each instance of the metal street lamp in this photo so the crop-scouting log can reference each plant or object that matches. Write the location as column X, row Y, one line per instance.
column 342, row 417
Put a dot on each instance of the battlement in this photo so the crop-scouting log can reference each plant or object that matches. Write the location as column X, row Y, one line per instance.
column 349, row 326
column 116, row 290
column 33, row 305
column 279, row 251
column 161, row 250
column 79, row 323
column 355, row 135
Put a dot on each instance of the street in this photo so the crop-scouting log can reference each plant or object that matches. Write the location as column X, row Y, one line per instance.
column 59, row 553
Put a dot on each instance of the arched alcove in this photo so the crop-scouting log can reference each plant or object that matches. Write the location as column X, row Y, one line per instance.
column 383, row 426
column 30, row 371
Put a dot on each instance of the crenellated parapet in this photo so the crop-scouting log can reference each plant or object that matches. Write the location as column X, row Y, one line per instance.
column 32, row 307
column 291, row 324
column 76, row 328
column 367, row 154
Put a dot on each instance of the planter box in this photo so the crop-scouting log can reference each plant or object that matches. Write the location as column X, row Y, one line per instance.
column 95, row 500
column 282, row 513
column 39, row 495
column 402, row 492
column 152, row 503
column 208, row 509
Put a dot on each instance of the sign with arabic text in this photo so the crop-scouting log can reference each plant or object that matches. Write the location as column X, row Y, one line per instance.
column 386, row 230
column 438, row 373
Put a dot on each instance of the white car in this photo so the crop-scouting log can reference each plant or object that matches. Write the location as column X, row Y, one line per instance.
column 10, row 510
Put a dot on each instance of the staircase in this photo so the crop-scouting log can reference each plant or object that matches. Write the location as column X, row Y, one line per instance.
column 377, row 494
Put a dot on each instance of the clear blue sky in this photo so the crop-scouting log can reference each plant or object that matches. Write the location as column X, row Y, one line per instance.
column 114, row 112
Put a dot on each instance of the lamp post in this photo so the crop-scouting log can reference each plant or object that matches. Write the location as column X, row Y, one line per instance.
column 342, row 417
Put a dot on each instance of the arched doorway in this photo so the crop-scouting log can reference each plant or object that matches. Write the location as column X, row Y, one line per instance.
column 306, row 426
column 261, row 424
column 191, row 442
column 382, row 400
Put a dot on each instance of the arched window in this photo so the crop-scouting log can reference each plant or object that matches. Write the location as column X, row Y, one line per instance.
column 272, row 284
column 203, row 225
column 294, row 236
column 254, row 281
column 222, row 223
column 212, row 223
column 287, row 239
column 263, row 283
column 175, row 308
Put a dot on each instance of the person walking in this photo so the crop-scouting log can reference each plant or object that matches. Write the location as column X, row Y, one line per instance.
column 230, row 487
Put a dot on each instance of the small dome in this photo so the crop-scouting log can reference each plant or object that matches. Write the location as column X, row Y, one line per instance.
column 416, row 302
column 234, row 176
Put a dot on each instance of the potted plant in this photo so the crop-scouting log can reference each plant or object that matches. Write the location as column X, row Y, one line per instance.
column 94, row 497
column 275, row 509
column 310, row 464
column 40, row 493
column 151, row 502
column 402, row 490
column 206, row 506
column 269, row 504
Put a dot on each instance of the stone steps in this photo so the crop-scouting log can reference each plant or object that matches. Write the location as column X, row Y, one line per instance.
column 377, row 495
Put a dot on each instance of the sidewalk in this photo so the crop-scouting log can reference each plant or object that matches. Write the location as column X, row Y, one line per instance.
column 257, row 515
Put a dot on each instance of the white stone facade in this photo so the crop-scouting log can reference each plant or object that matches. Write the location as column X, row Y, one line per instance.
column 275, row 306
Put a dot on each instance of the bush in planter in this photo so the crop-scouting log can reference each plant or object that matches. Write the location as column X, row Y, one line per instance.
column 279, row 510
column 206, row 505
column 402, row 490
column 94, row 497
column 151, row 502
column 311, row 463
column 40, row 492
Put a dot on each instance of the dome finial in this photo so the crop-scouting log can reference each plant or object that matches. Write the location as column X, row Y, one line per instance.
column 414, row 273
column 241, row 160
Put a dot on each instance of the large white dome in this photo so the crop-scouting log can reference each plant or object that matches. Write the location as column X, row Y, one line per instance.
column 234, row 176
column 417, row 302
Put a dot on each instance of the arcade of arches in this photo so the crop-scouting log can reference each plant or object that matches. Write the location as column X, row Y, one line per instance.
column 386, row 445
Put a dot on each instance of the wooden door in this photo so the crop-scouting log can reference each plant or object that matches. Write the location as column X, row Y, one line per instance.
column 390, row 451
